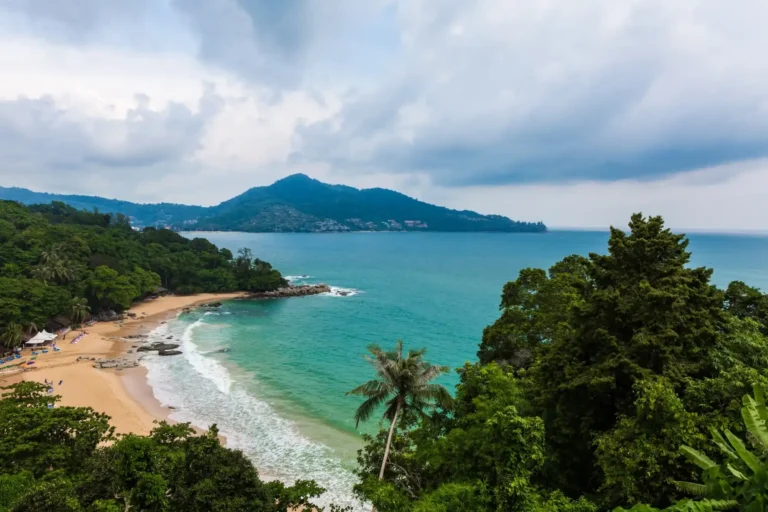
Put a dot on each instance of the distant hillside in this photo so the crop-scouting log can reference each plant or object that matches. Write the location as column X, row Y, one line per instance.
column 297, row 203
column 160, row 214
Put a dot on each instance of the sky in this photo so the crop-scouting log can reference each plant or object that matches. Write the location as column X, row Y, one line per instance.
column 573, row 113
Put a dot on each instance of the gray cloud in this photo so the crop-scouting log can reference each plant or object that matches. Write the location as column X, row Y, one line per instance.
column 503, row 92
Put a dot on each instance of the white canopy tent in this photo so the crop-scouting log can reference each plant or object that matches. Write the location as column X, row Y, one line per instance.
column 41, row 338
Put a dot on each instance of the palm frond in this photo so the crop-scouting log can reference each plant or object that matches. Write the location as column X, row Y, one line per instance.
column 371, row 388
column 367, row 408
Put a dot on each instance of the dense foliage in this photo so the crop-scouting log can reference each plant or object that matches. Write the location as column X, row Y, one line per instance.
column 67, row 459
column 56, row 260
column 740, row 481
column 296, row 204
column 596, row 373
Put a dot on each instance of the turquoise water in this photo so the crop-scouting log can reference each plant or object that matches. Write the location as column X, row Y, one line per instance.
column 278, row 392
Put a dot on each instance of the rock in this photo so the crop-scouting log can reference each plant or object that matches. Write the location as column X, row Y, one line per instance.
column 118, row 363
column 169, row 338
column 292, row 291
column 108, row 316
column 158, row 347
column 130, row 314
column 169, row 352
column 212, row 305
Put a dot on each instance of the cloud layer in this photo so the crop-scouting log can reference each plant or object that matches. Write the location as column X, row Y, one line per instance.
column 507, row 105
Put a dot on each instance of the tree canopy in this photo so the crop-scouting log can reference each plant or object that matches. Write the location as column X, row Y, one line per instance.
column 596, row 372
column 69, row 459
column 53, row 255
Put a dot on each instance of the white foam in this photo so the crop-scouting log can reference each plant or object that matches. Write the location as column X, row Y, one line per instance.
column 250, row 424
column 291, row 279
column 208, row 368
column 338, row 291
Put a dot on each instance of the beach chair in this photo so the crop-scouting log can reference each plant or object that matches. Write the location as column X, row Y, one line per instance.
column 56, row 349
column 45, row 351
column 34, row 352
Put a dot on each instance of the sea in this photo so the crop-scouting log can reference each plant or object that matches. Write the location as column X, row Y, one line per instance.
column 272, row 375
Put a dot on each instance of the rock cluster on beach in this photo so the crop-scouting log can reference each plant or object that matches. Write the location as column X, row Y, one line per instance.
column 160, row 348
column 118, row 363
column 291, row 291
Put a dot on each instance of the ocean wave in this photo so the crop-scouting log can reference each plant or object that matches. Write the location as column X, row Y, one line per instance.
column 338, row 291
column 291, row 279
column 250, row 424
column 208, row 368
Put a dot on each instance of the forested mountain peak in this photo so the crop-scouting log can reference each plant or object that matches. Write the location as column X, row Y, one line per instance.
column 296, row 203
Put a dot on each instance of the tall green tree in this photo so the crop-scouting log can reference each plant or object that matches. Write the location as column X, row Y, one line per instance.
column 80, row 309
column 645, row 314
column 403, row 385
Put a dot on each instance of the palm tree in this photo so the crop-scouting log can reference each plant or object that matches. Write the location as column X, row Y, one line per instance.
column 402, row 385
column 12, row 335
column 53, row 266
column 43, row 273
column 52, row 253
column 32, row 326
column 79, row 309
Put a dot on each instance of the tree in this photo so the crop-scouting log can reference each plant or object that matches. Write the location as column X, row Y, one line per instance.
column 80, row 309
column 535, row 311
column 38, row 439
column 111, row 289
column 644, row 314
column 403, row 385
column 12, row 336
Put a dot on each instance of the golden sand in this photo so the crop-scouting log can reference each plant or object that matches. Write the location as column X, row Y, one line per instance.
column 122, row 394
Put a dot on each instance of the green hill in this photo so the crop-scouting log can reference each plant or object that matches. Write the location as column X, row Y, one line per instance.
column 296, row 203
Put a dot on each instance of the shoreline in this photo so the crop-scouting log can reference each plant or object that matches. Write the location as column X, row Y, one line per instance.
column 124, row 395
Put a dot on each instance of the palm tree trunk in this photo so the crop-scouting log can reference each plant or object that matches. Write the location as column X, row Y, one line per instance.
column 389, row 442
column 386, row 449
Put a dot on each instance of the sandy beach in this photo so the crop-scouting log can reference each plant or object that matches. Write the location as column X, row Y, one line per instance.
column 122, row 394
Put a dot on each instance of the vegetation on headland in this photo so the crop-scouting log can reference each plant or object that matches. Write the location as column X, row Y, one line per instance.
column 296, row 203
column 67, row 459
column 59, row 261
column 602, row 385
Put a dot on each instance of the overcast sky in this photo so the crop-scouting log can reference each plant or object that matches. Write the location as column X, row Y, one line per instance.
column 576, row 113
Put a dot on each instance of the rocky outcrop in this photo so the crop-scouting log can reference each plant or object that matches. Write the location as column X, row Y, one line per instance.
column 108, row 316
column 211, row 305
column 118, row 363
column 157, row 347
column 169, row 352
column 292, row 291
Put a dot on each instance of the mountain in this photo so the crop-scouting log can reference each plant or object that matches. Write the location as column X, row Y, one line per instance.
column 297, row 203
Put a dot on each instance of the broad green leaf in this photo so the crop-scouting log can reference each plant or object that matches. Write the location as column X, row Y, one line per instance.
column 697, row 458
column 745, row 455
column 755, row 425
column 720, row 442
